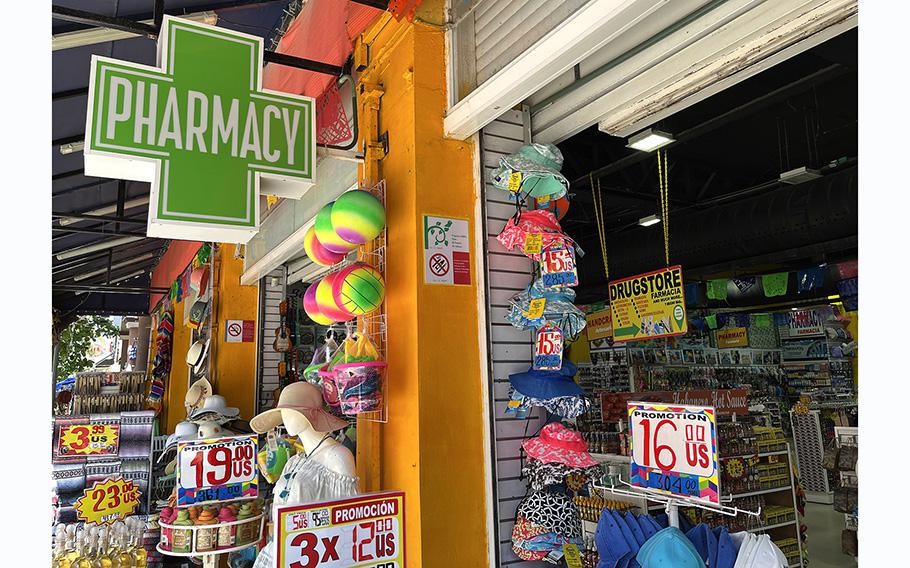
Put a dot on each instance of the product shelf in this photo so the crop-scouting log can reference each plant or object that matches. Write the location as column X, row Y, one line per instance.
column 756, row 455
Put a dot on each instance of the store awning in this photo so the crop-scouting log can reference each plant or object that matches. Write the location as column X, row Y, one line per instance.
column 280, row 236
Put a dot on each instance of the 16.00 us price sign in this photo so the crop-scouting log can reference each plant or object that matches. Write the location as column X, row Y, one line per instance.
column 674, row 449
column 362, row 532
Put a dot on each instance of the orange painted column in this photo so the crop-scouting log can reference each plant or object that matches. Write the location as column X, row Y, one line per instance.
column 433, row 445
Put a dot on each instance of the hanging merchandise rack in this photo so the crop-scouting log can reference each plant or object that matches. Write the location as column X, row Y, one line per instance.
column 810, row 450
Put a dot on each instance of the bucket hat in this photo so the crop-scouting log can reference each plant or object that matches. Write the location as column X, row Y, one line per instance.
column 541, row 221
column 669, row 549
column 556, row 443
column 539, row 165
column 214, row 409
column 303, row 398
column 547, row 384
column 555, row 512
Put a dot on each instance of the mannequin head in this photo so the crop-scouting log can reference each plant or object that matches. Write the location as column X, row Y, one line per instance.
column 295, row 423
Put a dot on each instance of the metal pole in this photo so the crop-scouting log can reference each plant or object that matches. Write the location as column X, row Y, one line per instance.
column 111, row 22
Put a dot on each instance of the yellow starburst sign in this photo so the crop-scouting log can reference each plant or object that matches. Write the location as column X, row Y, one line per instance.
column 89, row 439
column 107, row 501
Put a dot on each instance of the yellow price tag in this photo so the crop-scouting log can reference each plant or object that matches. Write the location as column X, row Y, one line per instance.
column 533, row 243
column 515, row 182
column 572, row 555
column 535, row 308
column 514, row 403
column 108, row 501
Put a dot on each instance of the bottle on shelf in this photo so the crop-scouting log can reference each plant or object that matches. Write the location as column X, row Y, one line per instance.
column 102, row 558
column 122, row 549
column 83, row 550
column 137, row 545
column 59, row 559
column 71, row 551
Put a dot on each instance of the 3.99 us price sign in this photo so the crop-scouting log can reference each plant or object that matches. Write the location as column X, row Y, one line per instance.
column 89, row 439
column 362, row 532
column 217, row 469
column 674, row 449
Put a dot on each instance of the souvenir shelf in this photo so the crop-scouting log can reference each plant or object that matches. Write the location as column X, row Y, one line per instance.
column 849, row 437
column 810, row 450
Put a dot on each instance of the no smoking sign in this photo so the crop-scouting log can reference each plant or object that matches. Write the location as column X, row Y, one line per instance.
column 239, row 331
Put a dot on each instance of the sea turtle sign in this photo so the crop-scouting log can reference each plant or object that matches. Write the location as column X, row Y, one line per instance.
column 201, row 130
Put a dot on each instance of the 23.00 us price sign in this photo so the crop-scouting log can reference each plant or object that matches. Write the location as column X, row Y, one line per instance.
column 674, row 449
column 362, row 532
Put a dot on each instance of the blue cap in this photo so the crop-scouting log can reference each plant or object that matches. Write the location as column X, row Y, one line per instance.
column 648, row 526
column 705, row 543
column 544, row 385
column 669, row 549
column 608, row 539
column 628, row 559
column 635, row 528
column 726, row 550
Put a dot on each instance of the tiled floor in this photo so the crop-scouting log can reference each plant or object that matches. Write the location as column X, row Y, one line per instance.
column 825, row 526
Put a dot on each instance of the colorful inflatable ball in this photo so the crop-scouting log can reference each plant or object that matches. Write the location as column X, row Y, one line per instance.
column 318, row 253
column 326, row 234
column 358, row 217
column 326, row 303
column 358, row 289
column 311, row 309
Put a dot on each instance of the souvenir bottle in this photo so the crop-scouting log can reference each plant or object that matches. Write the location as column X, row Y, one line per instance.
column 103, row 558
column 124, row 558
column 60, row 559
column 83, row 551
column 71, row 551
column 137, row 548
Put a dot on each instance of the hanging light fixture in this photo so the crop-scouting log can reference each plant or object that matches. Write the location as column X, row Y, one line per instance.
column 649, row 220
column 649, row 140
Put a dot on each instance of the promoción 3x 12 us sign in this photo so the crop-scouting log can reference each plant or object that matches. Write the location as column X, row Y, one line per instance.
column 201, row 130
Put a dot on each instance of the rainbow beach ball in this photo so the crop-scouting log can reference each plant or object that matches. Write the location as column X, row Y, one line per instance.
column 318, row 253
column 358, row 217
column 358, row 289
column 326, row 234
column 326, row 303
column 311, row 309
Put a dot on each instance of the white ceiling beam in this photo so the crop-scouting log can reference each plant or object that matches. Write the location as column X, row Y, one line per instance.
column 588, row 29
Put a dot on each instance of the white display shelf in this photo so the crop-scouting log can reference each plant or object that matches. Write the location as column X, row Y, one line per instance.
column 196, row 528
column 758, row 455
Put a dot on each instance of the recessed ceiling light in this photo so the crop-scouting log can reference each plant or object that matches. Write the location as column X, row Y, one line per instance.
column 649, row 140
column 799, row 175
column 649, row 220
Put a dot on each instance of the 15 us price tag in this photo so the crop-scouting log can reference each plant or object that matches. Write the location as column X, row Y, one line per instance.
column 557, row 267
column 367, row 531
column 548, row 348
column 217, row 469
column 674, row 449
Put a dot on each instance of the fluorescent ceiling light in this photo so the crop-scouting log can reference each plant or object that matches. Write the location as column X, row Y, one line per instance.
column 88, row 275
column 649, row 140
column 649, row 220
column 127, row 277
column 72, row 147
column 92, row 36
column 72, row 253
column 110, row 209
column 799, row 175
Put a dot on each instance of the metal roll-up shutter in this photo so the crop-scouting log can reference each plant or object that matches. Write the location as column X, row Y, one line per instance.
column 507, row 273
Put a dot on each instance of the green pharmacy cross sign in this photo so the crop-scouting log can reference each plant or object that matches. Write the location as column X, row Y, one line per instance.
column 201, row 130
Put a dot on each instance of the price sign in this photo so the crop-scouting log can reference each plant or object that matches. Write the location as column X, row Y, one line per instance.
column 533, row 242
column 515, row 182
column 108, row 501
column 674, row 449
column 217, row 469
column 571, row 555
column 548, row 349
column 535, row 308
column 364, row 531
column 88, row 440
column 557, row 267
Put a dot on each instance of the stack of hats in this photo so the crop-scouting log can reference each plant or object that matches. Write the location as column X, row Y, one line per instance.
column 547, row 519
column 647, row 542
column 533, row 172
column 556, row 391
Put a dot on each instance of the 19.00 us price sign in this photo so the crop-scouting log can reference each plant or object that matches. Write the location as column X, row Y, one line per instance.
column 217, row 469
column 674, row 449
column 362, row 532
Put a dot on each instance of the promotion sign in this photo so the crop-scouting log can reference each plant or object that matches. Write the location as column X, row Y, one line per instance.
column 88, row 440
column 217, row 469
column 202, row 130
column 107, row 501
column 648, row 305
column 732, row 337
column 557, row 267
column 362, row 532
column 548, row 349
column 805, row 323
column 599, row 325
column 674, row 449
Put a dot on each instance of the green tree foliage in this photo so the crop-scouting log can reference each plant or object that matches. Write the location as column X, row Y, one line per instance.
column 75, row 340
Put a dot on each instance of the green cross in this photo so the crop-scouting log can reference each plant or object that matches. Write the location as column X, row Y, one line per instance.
column 201, row 130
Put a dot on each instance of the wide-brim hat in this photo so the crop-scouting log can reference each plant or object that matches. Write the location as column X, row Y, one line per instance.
column 558, row 444
column 197, row 393
column 214, row 408
column 669, row 547
column 196, row 355
column 544, row 385
column 198, row 312
column 183, row 431
column 539, row 165
column 305, row 399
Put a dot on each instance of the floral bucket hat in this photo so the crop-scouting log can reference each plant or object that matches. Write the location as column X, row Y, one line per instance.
column 539, row 166
column 556, row 443
column 558, row 310
column 524, row 223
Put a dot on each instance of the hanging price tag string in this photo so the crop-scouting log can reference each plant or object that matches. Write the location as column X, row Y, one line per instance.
column 601, row 227
column 663, row 177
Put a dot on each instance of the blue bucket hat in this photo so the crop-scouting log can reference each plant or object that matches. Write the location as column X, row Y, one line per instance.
column 670, row 548
column 726, row 550
column 610, row 543
column 705, row 542
column 539, row 165
column 544, row 385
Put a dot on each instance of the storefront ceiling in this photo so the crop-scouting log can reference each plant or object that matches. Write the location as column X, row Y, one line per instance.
column 734, row 145
column 74, row 193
